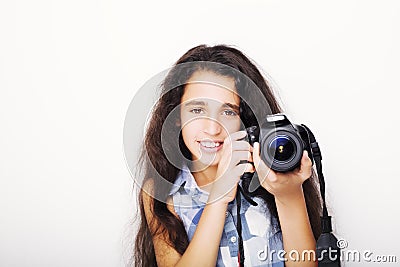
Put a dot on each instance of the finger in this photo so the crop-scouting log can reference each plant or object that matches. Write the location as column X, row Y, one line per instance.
column 236, row 136
column 242, row 145
column 305, row 165
column 305, row 160
column 239, row 156
column 231, row 143
column 264, row 172
column 242, row 168
column 256, row 154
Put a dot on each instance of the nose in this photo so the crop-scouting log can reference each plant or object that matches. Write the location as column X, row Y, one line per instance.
column 212, row 127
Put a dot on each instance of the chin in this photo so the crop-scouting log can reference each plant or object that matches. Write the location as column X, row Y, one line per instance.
column 209, row 162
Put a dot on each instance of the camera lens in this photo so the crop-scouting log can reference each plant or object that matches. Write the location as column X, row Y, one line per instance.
column 282, row 148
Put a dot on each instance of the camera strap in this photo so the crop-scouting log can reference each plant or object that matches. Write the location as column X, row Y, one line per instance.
column 239, row 226
column 326, row 242
column 316, row 154
column 240, row 192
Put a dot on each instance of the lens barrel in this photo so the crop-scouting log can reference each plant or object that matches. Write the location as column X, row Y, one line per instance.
column 282, row 150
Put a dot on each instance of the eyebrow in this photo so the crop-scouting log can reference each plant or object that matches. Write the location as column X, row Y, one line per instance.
column 202, row 103
column 232, row 106
column 195, row 103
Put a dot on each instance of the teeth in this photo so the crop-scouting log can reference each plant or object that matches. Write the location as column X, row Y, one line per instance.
column 209, row 144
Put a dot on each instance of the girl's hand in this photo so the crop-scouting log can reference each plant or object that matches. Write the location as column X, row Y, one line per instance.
column 229, row 170
column 283, row 186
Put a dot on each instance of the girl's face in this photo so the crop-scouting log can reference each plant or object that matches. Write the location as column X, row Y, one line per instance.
column 209, row 113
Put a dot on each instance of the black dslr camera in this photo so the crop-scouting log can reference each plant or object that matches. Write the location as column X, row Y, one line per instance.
column 281, row 142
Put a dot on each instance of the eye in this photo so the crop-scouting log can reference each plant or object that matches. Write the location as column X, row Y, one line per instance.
column 196, row 110
column 229, row 112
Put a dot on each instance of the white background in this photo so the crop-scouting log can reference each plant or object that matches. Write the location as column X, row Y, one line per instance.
column 69, row 69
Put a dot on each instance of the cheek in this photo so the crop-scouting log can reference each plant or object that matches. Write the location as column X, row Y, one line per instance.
column 189, row 131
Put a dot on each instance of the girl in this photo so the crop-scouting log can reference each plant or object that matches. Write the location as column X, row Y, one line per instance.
column 193, row 156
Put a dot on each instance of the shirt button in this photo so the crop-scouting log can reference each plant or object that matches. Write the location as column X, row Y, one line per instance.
column 233, row 239
column 226, row 214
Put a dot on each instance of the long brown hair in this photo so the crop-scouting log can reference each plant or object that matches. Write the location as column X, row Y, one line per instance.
column 155, row 164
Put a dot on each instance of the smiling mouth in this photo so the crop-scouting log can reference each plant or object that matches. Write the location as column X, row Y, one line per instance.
column 210, row 146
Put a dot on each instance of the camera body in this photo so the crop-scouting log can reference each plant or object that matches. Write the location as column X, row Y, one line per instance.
column 281, row 142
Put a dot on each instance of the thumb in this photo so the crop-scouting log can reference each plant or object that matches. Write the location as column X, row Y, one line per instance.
column 256, row 154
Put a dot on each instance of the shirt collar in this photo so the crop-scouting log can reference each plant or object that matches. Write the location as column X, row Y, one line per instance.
column 186, row 180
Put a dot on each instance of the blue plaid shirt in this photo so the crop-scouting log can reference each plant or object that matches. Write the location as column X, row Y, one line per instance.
column 262, row 238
